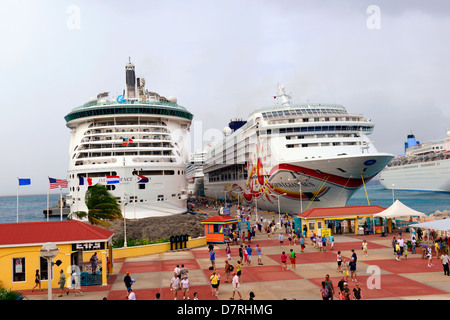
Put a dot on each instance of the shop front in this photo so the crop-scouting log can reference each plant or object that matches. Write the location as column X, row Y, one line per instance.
column 76, row 241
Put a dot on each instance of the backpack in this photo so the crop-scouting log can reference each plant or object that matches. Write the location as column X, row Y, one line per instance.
column 230, row 267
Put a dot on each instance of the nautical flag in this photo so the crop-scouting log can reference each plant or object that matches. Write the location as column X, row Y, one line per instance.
column 56, row 183
column 84, row 181
column 127, row 141
column 112, row 179
column 142, row 179
column 24, row 182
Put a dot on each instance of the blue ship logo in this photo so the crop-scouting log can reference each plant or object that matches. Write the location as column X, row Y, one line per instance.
column 121, row 99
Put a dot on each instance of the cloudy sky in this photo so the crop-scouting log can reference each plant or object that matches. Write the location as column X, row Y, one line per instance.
column 221, row 59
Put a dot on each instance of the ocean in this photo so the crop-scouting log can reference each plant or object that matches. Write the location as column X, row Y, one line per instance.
column 31, row 207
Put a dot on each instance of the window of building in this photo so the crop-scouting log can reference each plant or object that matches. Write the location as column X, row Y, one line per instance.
column 18, row 269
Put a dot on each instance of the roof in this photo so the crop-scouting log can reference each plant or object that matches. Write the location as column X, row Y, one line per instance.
column 398, row 209
column 36, row 233
column 443, row 224
column 220, row 219
column 340, row 212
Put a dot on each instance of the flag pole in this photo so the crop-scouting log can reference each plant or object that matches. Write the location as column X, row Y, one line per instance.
column 48, row 194
column 17, row 199
column 60, row 201
column 134, row 203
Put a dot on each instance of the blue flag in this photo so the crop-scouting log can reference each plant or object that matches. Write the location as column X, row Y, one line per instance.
column 24, row 182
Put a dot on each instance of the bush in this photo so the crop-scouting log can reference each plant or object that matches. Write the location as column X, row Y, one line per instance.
column 138, row 242
column 10, row 295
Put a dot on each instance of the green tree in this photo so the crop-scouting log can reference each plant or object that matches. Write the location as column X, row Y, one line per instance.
column 102, row 206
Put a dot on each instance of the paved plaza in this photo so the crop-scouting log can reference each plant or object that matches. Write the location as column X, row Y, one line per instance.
column 409, row 279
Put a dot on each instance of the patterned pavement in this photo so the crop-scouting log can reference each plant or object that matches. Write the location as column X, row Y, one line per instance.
column 409, row 279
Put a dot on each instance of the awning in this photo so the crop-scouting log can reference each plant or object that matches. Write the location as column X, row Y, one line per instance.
column 443, row 224
column 398, row 209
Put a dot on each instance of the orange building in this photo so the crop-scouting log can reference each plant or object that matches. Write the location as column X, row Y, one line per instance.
column 218, row 228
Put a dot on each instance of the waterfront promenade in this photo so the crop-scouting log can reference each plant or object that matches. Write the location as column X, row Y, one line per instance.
column 409, row 279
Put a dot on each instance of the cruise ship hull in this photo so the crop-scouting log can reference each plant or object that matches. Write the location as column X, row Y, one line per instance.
column 426, row 176
column 324, row 183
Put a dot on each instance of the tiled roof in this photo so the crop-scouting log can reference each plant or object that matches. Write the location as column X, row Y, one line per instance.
column 220, row 219
column 70, row 231
column 341, row 212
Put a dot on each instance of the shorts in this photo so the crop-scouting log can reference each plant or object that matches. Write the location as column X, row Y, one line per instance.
column 345, row 272
column 293, row 260
column 235, row 289
column 215, row 286
column 61, row 285
column 249, row 258
column 238, row 273
column 339, row 263
column 185, row 289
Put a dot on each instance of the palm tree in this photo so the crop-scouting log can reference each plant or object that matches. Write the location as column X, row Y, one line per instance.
column 102, row 206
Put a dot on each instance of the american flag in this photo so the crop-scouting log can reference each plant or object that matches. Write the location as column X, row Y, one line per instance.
column 56, row 183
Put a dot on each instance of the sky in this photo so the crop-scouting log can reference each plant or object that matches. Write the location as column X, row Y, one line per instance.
column 222, row 59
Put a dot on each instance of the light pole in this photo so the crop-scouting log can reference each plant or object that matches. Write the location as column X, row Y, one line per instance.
column 279, row 212
column 124, row 220
column 48, row 251
column 393, row 190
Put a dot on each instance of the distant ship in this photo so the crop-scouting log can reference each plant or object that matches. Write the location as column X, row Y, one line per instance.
column 136, row 145
column 423, row 167
column 194, row 173
column 305, row 155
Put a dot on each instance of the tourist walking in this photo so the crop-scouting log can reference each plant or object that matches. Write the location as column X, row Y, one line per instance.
column 236, row 285
column 62, row 283
column 283, row 261
column 302, row 243
column 281, row 238
column 364, row 248
column 331, row 242
column 352, row 265
column 239, row 270
column 175, row 285
column 131, row 295
column 258, row 253
column 37, row 281
column 292, row 256
column 228, row 251
column 127, row 280
column 430, row 256
column 445, row 258
column 249, row 255
column 339, row 262
column 357, row 295
column 324, row 293
column 329, row 286
column 76, row 283
column 212, row 258
column 185, row 287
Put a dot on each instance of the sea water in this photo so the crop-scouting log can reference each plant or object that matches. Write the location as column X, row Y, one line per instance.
column 31, row 207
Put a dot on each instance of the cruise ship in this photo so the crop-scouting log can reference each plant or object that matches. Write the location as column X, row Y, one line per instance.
column 194, row 173
column 136, row 145
column 422, row 167
column 295, row 156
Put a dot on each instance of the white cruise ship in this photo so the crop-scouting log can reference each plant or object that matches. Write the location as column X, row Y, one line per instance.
column 194, row 172
column 423, row 167
column 302, row 155
column 135, row 144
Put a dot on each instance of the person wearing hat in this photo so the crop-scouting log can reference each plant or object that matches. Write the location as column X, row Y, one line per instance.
column 345, row 295
column 127, row 281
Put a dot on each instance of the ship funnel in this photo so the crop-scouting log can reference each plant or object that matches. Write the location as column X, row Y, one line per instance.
column 130, row 79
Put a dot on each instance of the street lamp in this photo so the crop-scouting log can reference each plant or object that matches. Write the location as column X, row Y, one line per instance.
column 125, row 198
column 48, row 251
column 393, row 190
column 279, row 212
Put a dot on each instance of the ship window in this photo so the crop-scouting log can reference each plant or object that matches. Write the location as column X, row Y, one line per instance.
column 141, row 186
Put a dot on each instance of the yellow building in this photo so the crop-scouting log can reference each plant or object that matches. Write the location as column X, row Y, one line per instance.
column 315, row 219
column 77, row 241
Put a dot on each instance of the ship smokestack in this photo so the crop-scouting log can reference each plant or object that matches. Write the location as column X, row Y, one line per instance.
column 130, row 79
